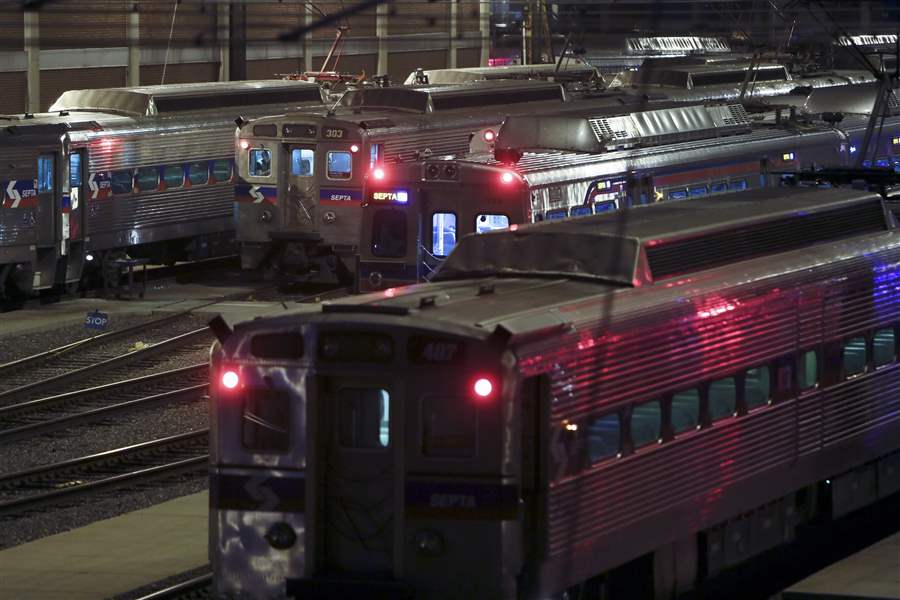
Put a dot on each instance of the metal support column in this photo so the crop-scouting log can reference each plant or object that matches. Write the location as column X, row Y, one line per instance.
column 381, row 33
column 237, row 42
column 484, row 18
column 134, row 46
column 223, row 39
column 454, row 35
column 33, row 61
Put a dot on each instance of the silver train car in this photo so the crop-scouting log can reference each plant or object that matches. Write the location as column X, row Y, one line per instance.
column 618, row 406
column 548, row 167
column 145, row 171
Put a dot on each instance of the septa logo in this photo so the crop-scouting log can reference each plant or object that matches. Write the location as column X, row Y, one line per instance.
column 400, row 196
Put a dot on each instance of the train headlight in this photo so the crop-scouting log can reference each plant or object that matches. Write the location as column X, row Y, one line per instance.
column 483, row 388
column 281, row 536
column 230, row 380
column 432, row 171
column 429, row 542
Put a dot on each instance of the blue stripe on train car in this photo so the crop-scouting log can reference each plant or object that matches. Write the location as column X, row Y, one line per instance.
column 333, row 195
column 255, row 194
column 452, row 500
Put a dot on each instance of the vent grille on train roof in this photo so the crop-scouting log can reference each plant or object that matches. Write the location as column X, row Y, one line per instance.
column 681, row 123
column 795, row 231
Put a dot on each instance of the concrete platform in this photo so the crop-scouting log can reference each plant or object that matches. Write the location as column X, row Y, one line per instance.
column 110, row 557
column 873, row 573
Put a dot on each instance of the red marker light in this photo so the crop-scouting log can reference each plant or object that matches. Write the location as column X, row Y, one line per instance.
column 354, row 148
column 244, row 144
column 230, row 380
column 483, row 387
column 378, row 173
column 489, row 136
column 507, row 177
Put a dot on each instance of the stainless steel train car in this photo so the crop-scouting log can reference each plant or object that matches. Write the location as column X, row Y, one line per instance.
column 548, row 167
column 571, row 71
column 301, row 175
column 143, row 171
column 626, row 403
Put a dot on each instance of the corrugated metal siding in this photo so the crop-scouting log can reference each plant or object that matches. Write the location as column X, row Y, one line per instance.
column 83, row 24
column 268, row 69
column 468, row 57
column 178, row 207
column 130, row 151
column 361, row 25
column 354, row 63
column 401, row 64
column 195, row 24
column 419, row 17
column 180, row 73
column 468, row 16
column 12, row 26
column 55, row 82
column 17, row 226
column 266, row 20
column 14, row 86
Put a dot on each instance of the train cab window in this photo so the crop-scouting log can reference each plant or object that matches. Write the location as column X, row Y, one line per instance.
column 376, row 155
column 678, row 194
column 260, row 162
column 147, row 179
column 722, row 399
column 173, row 177
column 389, row 233
column 685, row 411
column 222, row 170
column 882, row 162
column 604, row 207
column 895, row 162
column 74, row 170
column 719, row 187
column 580, row 211
column 266, row 422
column 853, row 356
column 448, row 427
column 198, row 173
column 698, row 191
column 736, row 185
column 443, row 233
column 557, row 213
column 339, row 165
column 808, row 370
column 488, row 222
column 757, row 387
column 303, row 162
column 646, row 424
column 364, row 418
column 121, row 182
column 45, row 174
column 604, row 437
column 883, row 347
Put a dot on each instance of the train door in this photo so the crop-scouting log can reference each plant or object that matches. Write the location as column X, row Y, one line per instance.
column 302, row 191
column 443, row 222
column 46, row 192
column 361, row 478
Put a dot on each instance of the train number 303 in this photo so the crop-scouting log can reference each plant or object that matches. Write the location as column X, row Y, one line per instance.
column 332, row 133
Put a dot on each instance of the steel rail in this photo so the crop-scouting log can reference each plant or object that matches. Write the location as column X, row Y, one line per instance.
column 181, row 590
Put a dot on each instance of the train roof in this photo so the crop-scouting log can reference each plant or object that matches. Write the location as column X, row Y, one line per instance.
column 155, row 100
column 674, row 73
column 675, row 45
column 592, row 131
column 849, row 99
column 568, row 70
column 647, row 244
column 434, row 98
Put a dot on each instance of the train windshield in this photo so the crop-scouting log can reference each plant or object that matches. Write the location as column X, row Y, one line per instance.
column 303, row 162
column 340, row 165
column 260, row 162
column 389, row 233
column 443, row 233
column 487, row 222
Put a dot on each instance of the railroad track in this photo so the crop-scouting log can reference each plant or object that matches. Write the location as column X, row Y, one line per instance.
column 69, row 481
column 191, row 589
column 45, row 415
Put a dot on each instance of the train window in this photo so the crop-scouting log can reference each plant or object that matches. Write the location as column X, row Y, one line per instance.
column 678, row 194
column 265, row 130
column 699, row 190
column 882, row 162
column 685, row 410
column 756, row 387
column 45, row 174
column 376, row 155
column 737, row 184
column 389, row 233
column 288, row 345
column 443, row 233
column 74, row 170
column 221, row 170
column 853, row 356
column 809, row 370
column 121, row 182
column 557, row 213
column 364, row 418
column 603, row 207
column 580, row 211
column 646, row 423
column 883, row 347
column 339, row 165
column 266, row 422
column 198, row 173
column 303, row 162
column 488, row 222
column 722, row 399
column 173, row 176
column 604, row 437
column 260, row 162
column 719, row 187
column 147, row 179
column 448, row 427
